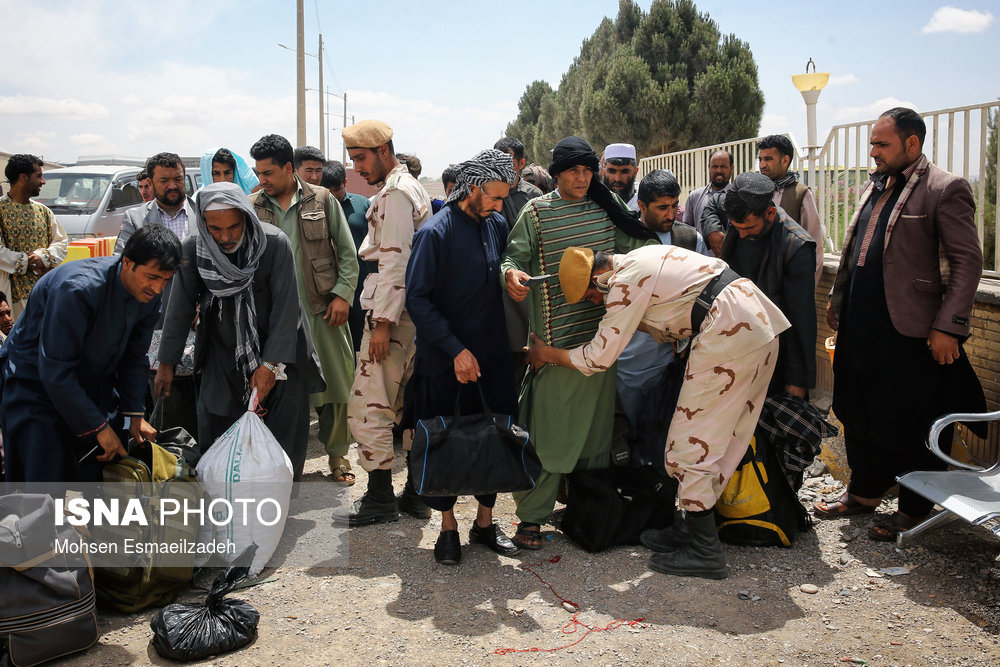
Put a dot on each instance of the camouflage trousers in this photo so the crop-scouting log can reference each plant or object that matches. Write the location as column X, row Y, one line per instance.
column 376, row 400
column 716, row 414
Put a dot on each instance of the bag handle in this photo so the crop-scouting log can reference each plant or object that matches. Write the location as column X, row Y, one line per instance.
column 482, row 398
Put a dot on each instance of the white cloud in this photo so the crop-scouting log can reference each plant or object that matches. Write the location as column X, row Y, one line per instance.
column 963, row 21
column 47, row 106
column 86, row 138
column 773, row 123
column 869, row 111
column 843, row 80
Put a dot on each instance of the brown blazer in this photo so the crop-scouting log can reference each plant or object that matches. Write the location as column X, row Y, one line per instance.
column 932, row 260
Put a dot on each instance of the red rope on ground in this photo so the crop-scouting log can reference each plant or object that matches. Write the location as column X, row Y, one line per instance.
column 574, row 622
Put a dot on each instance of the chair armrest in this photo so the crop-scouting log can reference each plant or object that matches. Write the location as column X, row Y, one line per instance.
column 934, row 445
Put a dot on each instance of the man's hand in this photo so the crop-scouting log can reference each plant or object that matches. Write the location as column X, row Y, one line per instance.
column 943, row 347
column 164, row 378
column 466, row 367
column 795, row 391
column 831, row 319
column 337, row 311
column 378, row 347
column 109, row 442
column 537, row 351
column 35, row 264
column 263, row 381
column 715, row 242
column 515, row 288
column 140, row 430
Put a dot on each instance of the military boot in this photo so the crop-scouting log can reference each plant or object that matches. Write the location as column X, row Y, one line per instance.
column 667, row 539
column 378, row 505
column 702, row 557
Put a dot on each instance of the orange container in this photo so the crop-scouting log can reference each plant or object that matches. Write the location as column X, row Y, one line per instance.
column 831, row 346
column 93, row 246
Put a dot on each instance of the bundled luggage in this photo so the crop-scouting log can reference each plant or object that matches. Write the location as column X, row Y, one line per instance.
column 151, row 473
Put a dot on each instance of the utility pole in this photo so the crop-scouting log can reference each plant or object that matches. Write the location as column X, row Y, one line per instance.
column 300, row 93
column 345, row 125
column 322, row 132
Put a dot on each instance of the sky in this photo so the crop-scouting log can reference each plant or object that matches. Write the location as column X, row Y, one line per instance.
column 92, row 77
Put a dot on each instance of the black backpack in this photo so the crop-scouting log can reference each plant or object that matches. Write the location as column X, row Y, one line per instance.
column 610, row 507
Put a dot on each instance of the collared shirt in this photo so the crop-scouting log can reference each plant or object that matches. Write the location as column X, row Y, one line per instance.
column 177, row 223
column 695, row 204
column 453, row 291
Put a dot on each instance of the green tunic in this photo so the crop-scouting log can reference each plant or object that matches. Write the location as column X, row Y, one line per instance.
column 568, row 415
column 333, row 344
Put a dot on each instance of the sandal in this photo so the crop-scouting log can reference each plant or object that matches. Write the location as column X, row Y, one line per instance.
column 528, row 536
column 887, row 530
column 340, row 468
column 846, row 505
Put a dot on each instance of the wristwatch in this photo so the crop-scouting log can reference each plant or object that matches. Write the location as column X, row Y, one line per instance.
column 271, row 367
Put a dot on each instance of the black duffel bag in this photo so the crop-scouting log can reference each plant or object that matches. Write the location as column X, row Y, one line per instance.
column 609, row 507
column 46, row 596
column 469, row 454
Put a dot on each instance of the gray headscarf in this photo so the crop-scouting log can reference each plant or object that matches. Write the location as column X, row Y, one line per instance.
column 223, row 278
column 488, row 165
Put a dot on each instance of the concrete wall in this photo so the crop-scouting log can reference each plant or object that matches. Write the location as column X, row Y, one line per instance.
column 983, row 348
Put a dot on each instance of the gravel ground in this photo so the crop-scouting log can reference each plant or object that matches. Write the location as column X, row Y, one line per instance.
column 392, row 604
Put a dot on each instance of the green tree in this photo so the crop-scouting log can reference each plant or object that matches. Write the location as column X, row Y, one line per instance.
column 648, row 78
column 990, row 194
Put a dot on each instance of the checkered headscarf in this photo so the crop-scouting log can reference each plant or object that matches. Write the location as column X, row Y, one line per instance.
column 488, row 165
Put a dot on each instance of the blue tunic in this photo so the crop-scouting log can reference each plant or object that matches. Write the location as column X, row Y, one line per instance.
column 453, row 297
column 75, row 360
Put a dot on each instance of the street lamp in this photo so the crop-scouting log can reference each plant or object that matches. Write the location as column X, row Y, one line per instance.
column 810, row 85
column 301, row 93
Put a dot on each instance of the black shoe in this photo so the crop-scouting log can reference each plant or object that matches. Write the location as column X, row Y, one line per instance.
column 448, row 548
column 494, row 538
column 410, row 503
column 367, row 511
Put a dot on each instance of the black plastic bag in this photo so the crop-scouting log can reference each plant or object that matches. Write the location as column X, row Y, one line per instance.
column 195, row 630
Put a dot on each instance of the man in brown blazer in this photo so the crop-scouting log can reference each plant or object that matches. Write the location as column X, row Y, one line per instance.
column 901, row 304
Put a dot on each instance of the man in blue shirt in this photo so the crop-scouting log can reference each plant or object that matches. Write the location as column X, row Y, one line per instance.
column 75, row 363
column 453, row 297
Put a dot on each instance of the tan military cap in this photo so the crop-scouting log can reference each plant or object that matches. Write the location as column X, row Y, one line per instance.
column 367, row 134
column 574, row 272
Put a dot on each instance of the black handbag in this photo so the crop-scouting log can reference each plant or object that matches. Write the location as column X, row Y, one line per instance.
column 468, row 454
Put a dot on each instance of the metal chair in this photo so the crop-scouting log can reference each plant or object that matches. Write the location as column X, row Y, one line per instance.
column 971, row 492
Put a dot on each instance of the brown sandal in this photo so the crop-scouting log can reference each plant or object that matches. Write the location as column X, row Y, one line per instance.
column 887, row 530
column 846, row 505
column 528, row 536
column 340, row 468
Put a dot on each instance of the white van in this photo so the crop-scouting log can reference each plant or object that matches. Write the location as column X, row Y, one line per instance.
column 90, row 199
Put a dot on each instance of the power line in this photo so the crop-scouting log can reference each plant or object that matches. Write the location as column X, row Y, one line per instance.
column 326, row 57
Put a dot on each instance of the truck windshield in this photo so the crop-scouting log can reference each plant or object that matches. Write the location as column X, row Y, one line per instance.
column 73, row 193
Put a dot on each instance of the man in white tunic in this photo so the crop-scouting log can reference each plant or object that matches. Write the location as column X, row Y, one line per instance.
column 674, row 294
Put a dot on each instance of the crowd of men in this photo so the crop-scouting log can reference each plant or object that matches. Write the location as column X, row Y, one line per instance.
column 559, row 291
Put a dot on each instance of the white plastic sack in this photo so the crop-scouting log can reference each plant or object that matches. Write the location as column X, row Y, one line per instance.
column 246, row 462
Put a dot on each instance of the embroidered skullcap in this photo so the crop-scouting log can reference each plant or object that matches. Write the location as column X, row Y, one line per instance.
column 754, row 188
column 626, row 151
column 367, row 134
column 574, row 272
column 488, row 165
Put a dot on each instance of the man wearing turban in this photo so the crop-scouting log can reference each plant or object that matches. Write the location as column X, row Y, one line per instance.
column 453, row 296
column 569, row 416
